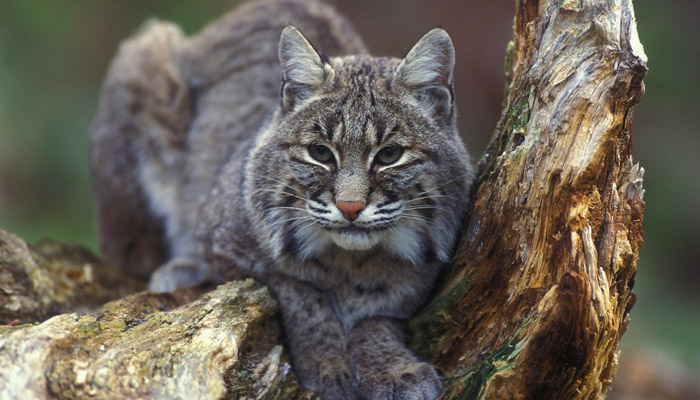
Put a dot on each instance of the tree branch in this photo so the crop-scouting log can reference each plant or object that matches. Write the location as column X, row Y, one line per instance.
column 540, row 292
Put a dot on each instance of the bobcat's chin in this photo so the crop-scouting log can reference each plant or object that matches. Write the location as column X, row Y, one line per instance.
column 356, row 239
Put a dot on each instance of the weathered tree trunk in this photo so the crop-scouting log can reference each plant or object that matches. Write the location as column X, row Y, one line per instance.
column 539, row 294
column 533, row 306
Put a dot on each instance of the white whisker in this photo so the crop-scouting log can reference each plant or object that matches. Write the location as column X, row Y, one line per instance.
column 426, row 207
column 431, row 197
column 418, row 218
column 302, row 218
column 286, row 208
column 279, row 192
column 444, row 184
column 274, row 180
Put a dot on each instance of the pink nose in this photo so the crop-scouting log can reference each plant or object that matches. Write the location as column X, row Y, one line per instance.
column 350, row 209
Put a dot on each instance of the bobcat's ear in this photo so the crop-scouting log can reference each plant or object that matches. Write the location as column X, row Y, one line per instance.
column 304, row 70
column 427, row 72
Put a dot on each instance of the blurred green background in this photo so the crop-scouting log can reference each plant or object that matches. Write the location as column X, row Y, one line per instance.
column 53, row 56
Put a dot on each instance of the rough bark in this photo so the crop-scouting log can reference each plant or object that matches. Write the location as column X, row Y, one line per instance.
column 50, row 278
column 187, row 344
column 533, row 306
column 539, row 294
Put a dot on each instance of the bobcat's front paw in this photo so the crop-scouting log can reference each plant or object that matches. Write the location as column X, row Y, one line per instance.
column 339, row 386
column 407, row 380
column 174, row 274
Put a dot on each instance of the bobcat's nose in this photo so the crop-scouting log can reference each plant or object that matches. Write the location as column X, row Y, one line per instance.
column 350, row 209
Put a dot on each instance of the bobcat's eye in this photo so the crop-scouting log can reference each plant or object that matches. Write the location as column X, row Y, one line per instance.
column 321, row 153
column 389, row 155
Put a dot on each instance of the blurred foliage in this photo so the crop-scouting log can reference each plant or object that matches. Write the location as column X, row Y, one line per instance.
column 666, row 127
column 53, row 56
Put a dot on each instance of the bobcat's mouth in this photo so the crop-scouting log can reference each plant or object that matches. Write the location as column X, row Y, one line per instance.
column 354, row 238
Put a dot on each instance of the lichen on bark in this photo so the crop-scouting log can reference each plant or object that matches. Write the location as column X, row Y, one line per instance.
column 222, row 345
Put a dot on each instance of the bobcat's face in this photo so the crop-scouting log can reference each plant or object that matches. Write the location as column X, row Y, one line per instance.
column 368, row 175
column 364, row 160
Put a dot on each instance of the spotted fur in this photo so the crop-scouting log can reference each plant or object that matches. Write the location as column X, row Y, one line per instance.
column 257, row 179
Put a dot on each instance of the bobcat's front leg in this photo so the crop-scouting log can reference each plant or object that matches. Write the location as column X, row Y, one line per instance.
column 384, row 367
column 316, row 339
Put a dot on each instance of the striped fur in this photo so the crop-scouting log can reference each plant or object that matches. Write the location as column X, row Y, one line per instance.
column 253, row 182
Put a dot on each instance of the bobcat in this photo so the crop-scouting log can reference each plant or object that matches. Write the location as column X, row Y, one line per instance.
column 343, row 191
